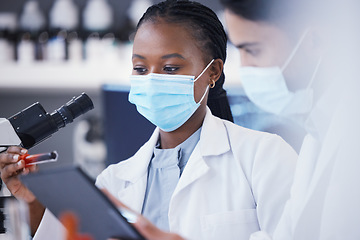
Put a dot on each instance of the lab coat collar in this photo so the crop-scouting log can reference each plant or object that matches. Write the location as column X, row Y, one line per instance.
column 209, row 145
column 136, row 167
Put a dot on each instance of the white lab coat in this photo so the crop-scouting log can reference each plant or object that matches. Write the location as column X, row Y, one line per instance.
column 325, row 192
column 236, row 182
column 302, row 214
column 327, row 176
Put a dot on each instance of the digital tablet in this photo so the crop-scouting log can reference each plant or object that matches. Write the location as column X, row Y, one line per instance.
column 70, row 189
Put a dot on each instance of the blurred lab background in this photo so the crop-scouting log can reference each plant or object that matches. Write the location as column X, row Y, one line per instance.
column 54, row 50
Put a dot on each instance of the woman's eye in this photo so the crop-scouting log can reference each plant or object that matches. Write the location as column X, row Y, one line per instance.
column 140, row 70
column 253, row 52
column 170, row 69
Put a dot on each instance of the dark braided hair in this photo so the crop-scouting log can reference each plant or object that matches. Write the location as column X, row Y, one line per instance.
column 209, row 34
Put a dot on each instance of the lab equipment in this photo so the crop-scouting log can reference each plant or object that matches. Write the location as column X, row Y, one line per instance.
column 33, row 125
column 70, row 189
column 17, row 219
column 39, row 158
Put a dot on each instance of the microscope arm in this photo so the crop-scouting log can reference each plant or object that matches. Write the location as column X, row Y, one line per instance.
column 8, row 136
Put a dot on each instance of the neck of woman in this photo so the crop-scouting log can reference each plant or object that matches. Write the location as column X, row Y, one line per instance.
column 174, row 138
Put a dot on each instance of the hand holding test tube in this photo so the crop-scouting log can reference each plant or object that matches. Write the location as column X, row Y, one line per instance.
column 39, row 158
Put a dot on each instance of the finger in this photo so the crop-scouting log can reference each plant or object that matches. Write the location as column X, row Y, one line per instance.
column 32, row 168
column 11, row 170
column 6, row 159
column 17, row 150
column 144, row 227
column 25, row 171
column 151, row 232
column 113, row 199
column 12, row 155
column 28, row 169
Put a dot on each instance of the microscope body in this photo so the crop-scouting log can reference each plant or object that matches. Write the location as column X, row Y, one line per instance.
column 33, row 125
column 8, row 136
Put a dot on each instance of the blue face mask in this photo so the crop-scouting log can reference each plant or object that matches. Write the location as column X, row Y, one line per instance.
column 165, row 100
column 266, row 87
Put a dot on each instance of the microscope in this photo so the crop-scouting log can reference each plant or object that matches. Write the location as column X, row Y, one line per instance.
column 33, row 125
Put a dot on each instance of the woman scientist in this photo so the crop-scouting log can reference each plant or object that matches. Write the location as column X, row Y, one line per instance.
column 280, row 57
column 198, row 175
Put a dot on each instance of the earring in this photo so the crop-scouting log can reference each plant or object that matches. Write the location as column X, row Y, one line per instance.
column 212, row 84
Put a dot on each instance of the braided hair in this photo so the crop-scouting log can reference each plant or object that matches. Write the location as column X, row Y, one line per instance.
column 207, row 30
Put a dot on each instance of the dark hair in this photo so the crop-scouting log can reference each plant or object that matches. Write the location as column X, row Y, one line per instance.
column 285, row 13
column 209, row 33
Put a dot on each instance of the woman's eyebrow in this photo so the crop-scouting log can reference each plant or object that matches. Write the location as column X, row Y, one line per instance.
column 172, row 55
column 138, row 56
column 247, row 44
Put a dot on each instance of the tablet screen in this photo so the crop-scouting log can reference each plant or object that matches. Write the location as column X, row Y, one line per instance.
column 70, row 189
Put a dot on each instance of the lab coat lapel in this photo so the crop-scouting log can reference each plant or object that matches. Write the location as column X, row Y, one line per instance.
column 133, row 195
column 195, row 168
column 213, row 132
column 134, row 173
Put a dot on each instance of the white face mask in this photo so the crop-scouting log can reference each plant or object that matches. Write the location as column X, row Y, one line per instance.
column 266, row 88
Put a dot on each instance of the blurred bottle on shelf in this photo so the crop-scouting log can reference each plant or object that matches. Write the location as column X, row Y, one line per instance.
column 8, row 23
column 74, row 46
column 30, row 37
column 97, row 16
column 26, row 49
column 136, row 10
column 100, row 41
column 64, row 20
column 32, row 34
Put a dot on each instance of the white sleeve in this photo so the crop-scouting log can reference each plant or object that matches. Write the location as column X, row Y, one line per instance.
column 272, row 177
column 302, row 181
column 50, row 228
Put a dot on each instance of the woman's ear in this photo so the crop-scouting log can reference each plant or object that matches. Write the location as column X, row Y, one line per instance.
column 216, row 69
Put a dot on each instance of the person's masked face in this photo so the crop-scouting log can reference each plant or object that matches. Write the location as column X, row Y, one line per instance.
column 263, row 44
column 170, row 80
column 274, row 71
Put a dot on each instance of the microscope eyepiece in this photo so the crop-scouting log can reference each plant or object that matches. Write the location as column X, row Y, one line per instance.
column 72, row 109
column 34, row 124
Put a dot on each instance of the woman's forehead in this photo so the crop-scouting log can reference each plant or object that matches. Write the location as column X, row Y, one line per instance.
column 162, row 37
